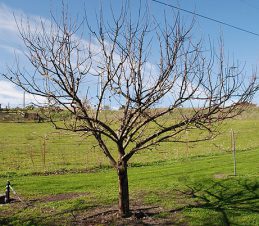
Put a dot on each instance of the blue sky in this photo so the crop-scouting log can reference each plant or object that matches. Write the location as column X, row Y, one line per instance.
column 242, row 46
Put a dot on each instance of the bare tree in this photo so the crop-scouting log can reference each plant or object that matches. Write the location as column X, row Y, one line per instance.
column 154, row 72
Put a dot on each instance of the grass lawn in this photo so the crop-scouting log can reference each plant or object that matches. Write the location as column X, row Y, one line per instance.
column 194, row 191
column 62, row 179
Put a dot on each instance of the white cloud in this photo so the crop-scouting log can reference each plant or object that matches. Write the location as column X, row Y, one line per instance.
column 7, row 21
column 11, row 44
column 10, row 40
column 8, row 90
column 12, row 96
column 10, row 49
column 8, row 29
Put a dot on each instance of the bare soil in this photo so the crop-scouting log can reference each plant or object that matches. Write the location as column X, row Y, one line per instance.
column 107, row 215
column 141, row 215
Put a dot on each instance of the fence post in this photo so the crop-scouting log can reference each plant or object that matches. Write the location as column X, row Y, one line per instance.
column 7, row 192
column 233, row 139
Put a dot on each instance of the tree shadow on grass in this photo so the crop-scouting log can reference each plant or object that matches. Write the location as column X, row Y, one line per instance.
column 232, row 201
column 223, row 202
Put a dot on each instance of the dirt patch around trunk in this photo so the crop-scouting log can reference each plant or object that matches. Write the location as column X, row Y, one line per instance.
column 140, row 215
column 96, row 215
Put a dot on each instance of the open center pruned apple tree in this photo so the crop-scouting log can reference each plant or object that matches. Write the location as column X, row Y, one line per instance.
column 145, row 67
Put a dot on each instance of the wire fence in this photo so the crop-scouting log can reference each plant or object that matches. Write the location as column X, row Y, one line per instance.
column 26, row 153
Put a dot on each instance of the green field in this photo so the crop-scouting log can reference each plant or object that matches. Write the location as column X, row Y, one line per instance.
column 62, row 179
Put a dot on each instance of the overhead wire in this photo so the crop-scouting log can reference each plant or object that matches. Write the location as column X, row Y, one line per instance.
column 206, row 17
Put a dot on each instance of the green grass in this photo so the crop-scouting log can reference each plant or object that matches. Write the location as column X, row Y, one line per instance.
column 22, row 148
column 203, row 190
column 193, row 183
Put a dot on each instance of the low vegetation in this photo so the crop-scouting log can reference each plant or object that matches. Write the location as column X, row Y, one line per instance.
column 181, row 184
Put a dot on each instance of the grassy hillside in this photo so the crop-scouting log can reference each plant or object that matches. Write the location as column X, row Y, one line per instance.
column 27, row 148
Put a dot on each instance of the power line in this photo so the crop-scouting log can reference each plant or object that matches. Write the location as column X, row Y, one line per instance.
column 206, row 17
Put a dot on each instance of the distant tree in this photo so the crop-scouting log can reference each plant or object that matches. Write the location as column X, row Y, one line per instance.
column 146, row 86
column 247, row 104
column 122, row 107
column 30, row 107
column 106, row 107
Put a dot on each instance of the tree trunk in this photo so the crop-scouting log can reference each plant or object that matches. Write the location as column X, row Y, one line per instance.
column 124, row 210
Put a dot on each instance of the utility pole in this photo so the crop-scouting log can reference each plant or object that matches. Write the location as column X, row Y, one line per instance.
column 100, row 86
column 23, row 99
